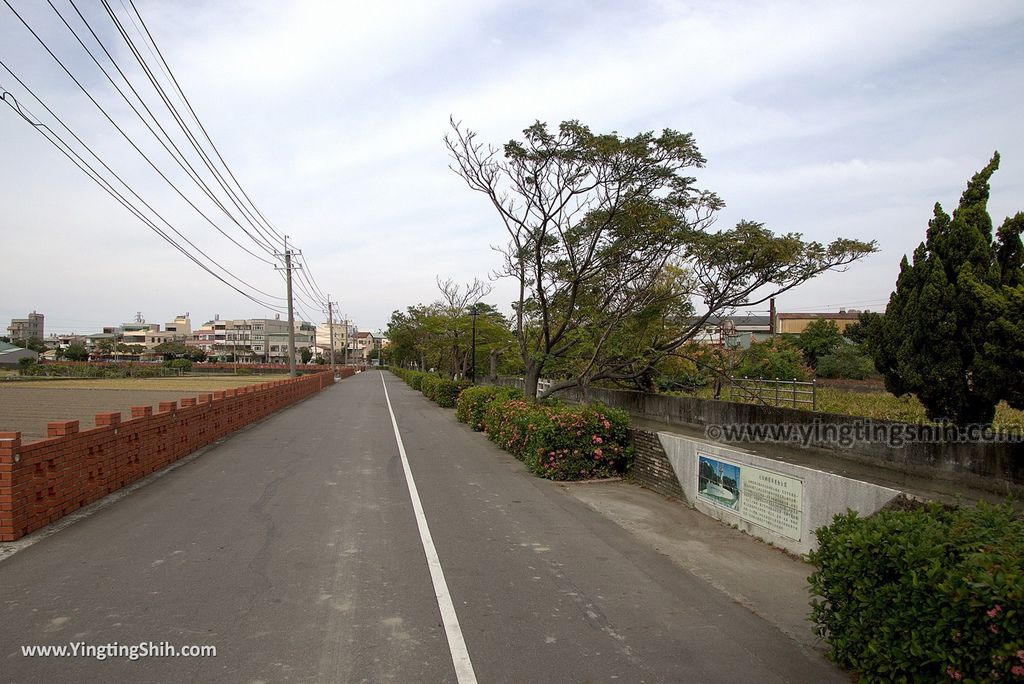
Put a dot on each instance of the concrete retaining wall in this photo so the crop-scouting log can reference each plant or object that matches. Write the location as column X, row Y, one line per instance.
column 45, row 480
column 997, row 467
column 822, row 496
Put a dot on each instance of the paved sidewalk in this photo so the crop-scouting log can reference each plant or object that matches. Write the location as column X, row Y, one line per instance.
column 766, row 580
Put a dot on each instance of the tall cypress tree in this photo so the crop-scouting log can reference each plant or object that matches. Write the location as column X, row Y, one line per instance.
column 952, row 333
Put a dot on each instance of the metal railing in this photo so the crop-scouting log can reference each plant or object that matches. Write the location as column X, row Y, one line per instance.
column 775, row 392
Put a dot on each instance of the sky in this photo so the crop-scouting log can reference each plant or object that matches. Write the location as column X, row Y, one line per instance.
column 837, row 119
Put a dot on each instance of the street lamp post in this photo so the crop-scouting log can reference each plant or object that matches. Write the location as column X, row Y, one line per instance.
column 472, row 361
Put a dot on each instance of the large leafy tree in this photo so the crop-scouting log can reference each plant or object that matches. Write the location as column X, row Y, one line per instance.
column 440, row 335
column 609, row 243
column 952, row 334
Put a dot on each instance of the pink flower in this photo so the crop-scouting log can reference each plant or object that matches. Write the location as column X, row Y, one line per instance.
column 953, row 674
column 994, row 629
column 1018, row 670
column 596, row 439
column 598, row 453
column 607, row 424
column 995, row 611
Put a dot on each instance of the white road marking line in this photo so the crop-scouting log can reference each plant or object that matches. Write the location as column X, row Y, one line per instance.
column 456, row 644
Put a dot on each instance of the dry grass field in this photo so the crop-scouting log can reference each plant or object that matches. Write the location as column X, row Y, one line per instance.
column 27, row 406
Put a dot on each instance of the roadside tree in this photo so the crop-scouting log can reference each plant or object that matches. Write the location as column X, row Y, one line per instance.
column 75, row 352
column 609, row 243
column 953, row 333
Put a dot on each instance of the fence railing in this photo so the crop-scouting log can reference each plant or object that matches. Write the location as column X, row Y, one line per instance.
column 795, row 393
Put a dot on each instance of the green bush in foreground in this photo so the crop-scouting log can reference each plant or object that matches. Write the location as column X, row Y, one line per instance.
column 473, row 402
column 931, row 594
column 561, row 442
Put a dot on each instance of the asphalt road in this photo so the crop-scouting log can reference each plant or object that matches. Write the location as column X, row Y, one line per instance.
column 293, row 547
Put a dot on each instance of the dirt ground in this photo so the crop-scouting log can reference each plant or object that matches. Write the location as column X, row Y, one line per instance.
column 27, row 406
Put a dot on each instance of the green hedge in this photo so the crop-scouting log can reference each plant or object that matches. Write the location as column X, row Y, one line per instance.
column 473, row 402
column 442, row 392
column 554, row 441
column 561, row 442
column 928, row 594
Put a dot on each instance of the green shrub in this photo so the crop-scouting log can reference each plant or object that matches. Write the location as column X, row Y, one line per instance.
column 415, row 379
column 774, row 358
column 445, row 393
column 179, row 364
column 846, row 361
column 561, row 443
column 931, row 594
column 819, row 338
column 439, row 390
column 427, row 383
column 473, row 402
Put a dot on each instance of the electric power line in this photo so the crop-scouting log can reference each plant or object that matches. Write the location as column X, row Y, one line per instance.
column 8, row 98
column 306, row 284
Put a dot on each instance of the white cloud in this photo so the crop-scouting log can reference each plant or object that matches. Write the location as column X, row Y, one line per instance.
column 825, row 118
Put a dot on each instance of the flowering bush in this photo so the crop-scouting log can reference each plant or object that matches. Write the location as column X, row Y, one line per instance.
column 473, row 402
column 561, row 442
column 929, row 594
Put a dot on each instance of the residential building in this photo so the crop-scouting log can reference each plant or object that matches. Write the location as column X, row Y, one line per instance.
column 256, row 340
column 342, row 332
column 365, row 344
column 26, row 328
column 180, row 329
column 736, row 331
column 63, row 341
column 137, row 333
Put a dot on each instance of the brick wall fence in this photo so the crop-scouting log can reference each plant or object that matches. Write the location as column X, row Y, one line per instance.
column 209, row 367
column 45, row 480
column 651, row 467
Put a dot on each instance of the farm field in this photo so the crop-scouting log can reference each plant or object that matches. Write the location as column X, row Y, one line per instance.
column 27, row 406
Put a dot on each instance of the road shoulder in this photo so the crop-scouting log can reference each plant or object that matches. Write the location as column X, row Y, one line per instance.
column 767, row 581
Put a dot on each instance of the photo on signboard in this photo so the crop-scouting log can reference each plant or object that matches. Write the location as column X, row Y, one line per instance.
column 719, row 482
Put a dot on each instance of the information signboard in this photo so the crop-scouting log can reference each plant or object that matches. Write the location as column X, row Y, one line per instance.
column 759, row 496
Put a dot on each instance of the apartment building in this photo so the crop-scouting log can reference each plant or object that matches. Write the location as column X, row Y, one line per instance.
column 255, row 340
column 26, row 328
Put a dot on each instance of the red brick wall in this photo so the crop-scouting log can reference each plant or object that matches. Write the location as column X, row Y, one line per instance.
column 45, row 480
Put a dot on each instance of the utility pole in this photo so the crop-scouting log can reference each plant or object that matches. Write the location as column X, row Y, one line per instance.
column 474, row 312
column 346, row 340
column 330, row 314
column 291, row 313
